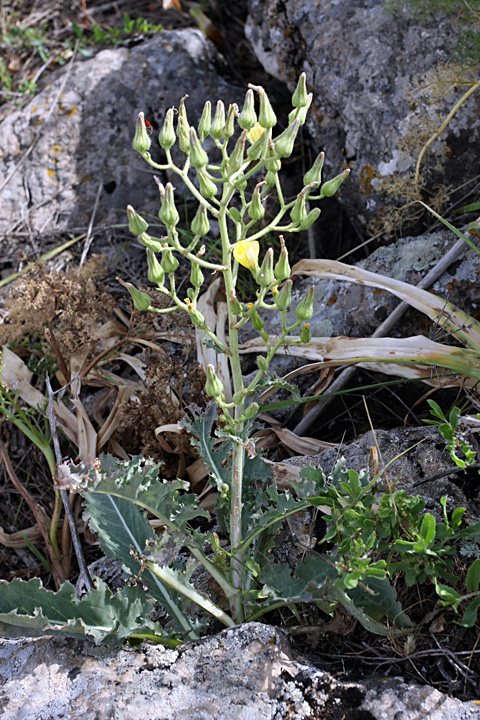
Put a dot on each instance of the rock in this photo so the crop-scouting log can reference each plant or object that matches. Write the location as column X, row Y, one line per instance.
column 245, row 673
column 82, row 126
column 360, row 63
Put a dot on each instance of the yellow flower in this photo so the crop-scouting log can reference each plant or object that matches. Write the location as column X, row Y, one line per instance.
column 255, row 132
column 246, row 253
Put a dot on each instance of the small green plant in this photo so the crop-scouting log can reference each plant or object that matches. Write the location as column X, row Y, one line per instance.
column 449, row 429
column 98, row 35
column 372, row 530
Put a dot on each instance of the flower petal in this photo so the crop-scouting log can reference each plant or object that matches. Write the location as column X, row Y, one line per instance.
column 246, row 253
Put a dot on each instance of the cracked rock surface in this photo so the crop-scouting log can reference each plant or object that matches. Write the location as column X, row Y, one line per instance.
column 245, row 673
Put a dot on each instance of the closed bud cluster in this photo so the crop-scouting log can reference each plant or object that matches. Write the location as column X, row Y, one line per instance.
column 169, row 262
column 200, row 225
column 183, row 134
column 304, row 309
column 256, row 211
column 218, row 125
column 141, row 300
column 205, row 121
column 265, row 275
column 283, row 298
column 330, row 187
column 141, row 141
column 282, row 268
column 198, row 156
column 136, row 224
column 167, row 136
column 168, row 213
column 298, row 213
column 248, row 117
column 213, row 386
column 156, row 273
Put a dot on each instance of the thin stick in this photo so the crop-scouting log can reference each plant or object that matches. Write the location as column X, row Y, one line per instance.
column 381, row 331
column 64, row 494
column 89, row 238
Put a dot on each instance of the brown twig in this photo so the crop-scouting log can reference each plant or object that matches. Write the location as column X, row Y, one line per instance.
column 84, row 572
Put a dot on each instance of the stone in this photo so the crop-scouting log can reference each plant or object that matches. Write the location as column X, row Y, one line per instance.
column 248, row 672
column 360, row 64
column 82, row 125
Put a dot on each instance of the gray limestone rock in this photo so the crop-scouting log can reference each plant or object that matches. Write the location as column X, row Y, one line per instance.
column 245, row 673
column 82, row 124
column 360, row 63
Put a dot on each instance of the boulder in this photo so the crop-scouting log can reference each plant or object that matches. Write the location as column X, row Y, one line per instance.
column 80, row 129
column 361, row 65
column 249, row 672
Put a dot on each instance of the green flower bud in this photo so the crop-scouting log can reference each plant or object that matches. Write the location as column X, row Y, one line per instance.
column 235, row 215
column 252, row 410
column 282, row 268
column 196, row 317
column 136, row 224
column 298, row 213
column 200, row 225
column 229, row 128
column 205, row 121
column 141, row 300
column 300, row 113
column 285, row 142
column 168, row 213
column 314, row 175
column 248, row 117
column 213, row 386
column 141, row 142
column 255, row 151
column 183, row 134
column 272, row 161
column 198, row 156
column 266, row 117
column 207, row 187
column 283, row 298
column 331, row 186
column 156, row 273
column 167, row 137
column 235, row 305
column 237, row 158
column 239, row 183
column 265, row 275
column 218, row 125
column 306, row 334
column 304, row 309
column 257, row 321
column 262, row 363
column 196, row 275
column 149, row 242
column 270, row 179
column 169, row 262
column 256, row 211
column 312, row 217
column 299, row 98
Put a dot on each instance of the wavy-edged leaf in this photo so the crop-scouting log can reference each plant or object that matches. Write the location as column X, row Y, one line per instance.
column 201, row 430
column 99, row 614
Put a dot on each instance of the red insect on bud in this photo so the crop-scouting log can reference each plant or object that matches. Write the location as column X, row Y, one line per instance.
column 149, row 127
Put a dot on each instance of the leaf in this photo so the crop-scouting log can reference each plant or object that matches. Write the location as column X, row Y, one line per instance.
column 472, row 581
column 99, row 614
column 381, row 604
column 427, row 528
column 470, row 615
column 137, row 480
column 201, row 429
